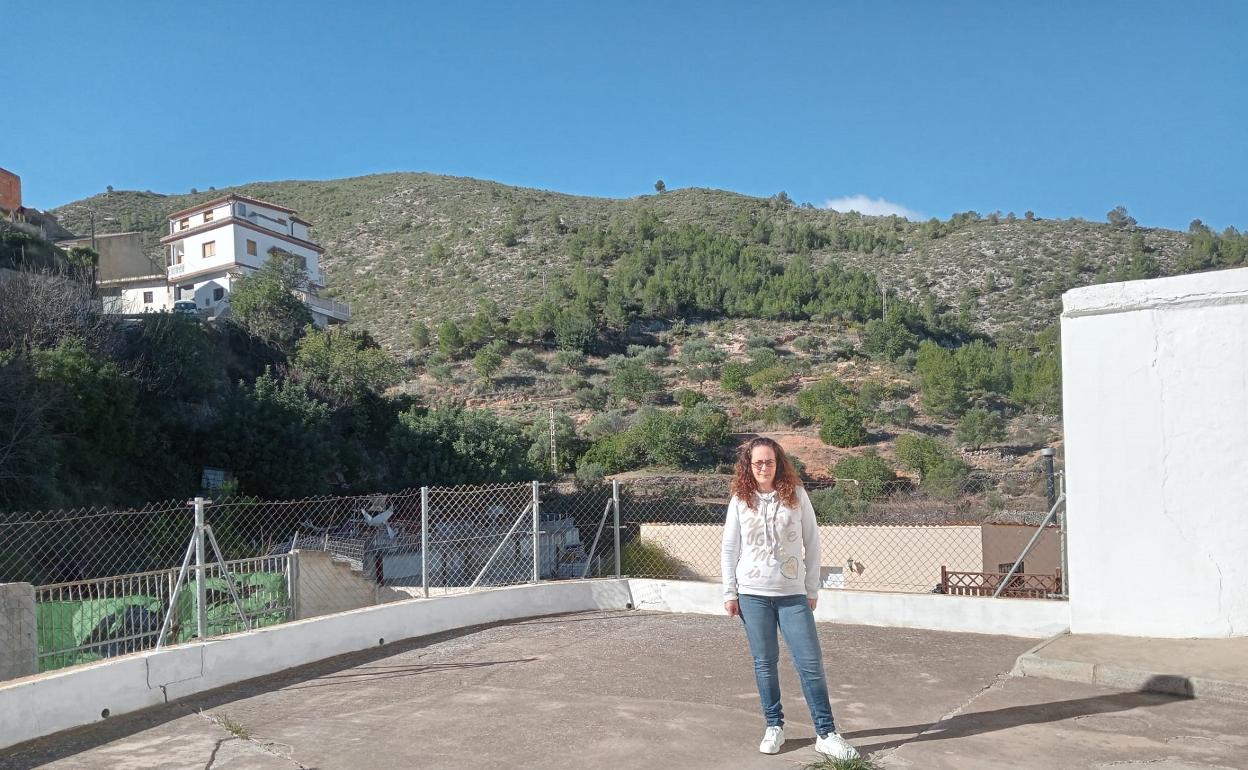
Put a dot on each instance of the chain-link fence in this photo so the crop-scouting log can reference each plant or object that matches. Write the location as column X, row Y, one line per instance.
column 896, row 535
column 79, row 586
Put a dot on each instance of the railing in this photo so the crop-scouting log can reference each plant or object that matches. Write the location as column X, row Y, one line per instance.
column 85, row 620
column 177, row 269
column 330, row 307
column 1021, row 585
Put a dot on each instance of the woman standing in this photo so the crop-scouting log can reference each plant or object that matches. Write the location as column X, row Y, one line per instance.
column 770, row 562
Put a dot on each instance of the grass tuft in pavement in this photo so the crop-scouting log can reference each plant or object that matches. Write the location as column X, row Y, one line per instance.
column 828, row 763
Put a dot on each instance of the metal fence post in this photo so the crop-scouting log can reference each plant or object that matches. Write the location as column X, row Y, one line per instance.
column 201, row 592
column 537, row 550
column 1050, row 483
column 424, row 540
column 615, row 499
column 1061, row 525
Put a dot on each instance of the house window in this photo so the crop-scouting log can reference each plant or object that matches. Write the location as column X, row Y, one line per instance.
column 185, row 223
column 251, row 247
column 147, row 298
column 208, row 215
column 210, row 249
column 1004, row 569
column 218, row 294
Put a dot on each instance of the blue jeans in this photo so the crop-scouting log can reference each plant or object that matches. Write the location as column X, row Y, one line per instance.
column 792, row 615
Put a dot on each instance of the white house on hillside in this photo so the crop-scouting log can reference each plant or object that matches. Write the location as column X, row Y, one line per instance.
column 210, row 245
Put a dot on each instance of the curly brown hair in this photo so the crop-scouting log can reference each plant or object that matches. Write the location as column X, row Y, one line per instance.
column 786, row 482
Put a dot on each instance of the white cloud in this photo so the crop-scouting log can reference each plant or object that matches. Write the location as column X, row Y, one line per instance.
column 875, row 207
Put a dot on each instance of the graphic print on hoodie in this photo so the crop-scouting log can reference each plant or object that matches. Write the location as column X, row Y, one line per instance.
column 770, row 549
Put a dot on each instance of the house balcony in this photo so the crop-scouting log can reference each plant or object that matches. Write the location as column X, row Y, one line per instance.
column 336, row 311
column 176, row 270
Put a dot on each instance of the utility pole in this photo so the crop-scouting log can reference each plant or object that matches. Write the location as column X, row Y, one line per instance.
column 554, row 456
column 93, row 231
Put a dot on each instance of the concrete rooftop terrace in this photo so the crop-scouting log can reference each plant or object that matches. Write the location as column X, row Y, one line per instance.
column 633, row 689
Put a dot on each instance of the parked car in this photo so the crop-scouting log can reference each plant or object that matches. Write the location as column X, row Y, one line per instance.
column 186, row 307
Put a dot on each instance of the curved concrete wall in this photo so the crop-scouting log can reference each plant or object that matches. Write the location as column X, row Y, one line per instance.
column 1035, row 618
column 1156, row 410
column 41, row 705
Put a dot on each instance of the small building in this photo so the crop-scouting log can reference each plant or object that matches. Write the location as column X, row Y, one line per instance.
column 129, row 278
column 210, row 245
column 10, row 191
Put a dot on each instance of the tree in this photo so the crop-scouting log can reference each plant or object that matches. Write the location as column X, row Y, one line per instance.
column 265, row 302
column 574, row 330
column 734, row 377
column 343, row 363
column 568, row 446
column 1118, row 217
column 488, row 361
column 457, row 446
column 943, row 389
column 450, row 338
column 277, row 439
column 979, row 427
column 937, row 465
column 634, row 381
column 660, row 187
column 420, row 335
column 842, row 425
column 869, row 472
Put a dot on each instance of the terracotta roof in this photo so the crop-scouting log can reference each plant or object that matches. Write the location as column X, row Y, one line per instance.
column 223, row 199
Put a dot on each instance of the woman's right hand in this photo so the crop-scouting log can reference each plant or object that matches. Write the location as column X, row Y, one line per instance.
column 734, row 607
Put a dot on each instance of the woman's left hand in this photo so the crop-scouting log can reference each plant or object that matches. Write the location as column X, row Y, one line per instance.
column 814, row 600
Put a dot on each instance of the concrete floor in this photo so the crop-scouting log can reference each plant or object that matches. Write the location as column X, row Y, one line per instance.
column 650, row 690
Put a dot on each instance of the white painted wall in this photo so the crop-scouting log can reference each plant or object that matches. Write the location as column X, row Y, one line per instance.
column 1033, row 618
column 1156, row 420
column 265, row 242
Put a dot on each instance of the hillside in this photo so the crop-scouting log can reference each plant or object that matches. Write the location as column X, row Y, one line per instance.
column 407, row 247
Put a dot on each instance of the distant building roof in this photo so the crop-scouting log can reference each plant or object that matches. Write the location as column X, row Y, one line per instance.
column 231, row 197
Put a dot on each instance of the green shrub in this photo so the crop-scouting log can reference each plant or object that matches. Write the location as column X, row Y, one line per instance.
column 642, row 558
column 572, row 360
column 653, row 356
column 762, row 358
column 688, row 398
column 938, row 466
column 632, row 380
column 833, row 506
column 827, row 392
column 808, row 344
column 601, row 425
column 591, row 398
column 767, row 381
column 760, row 342
column 589, row 475
column 523, row 359
column 979, row 427
column 900, row 416
column 871, row 472
column 614, row 453
column 842, row 425
column 733, row 377
column 781, row 414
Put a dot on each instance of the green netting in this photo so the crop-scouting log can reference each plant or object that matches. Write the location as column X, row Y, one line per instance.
column 100, row 625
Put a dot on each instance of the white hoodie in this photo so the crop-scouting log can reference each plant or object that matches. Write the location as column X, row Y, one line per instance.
column 772, row 549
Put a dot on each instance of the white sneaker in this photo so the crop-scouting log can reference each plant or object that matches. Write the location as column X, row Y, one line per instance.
column 835, row 746
column 773, row 739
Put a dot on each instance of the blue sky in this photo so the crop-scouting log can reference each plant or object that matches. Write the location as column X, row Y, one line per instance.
column 1064, row 108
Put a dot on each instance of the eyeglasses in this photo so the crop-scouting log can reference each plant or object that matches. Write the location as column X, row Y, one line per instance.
column 761, row 464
